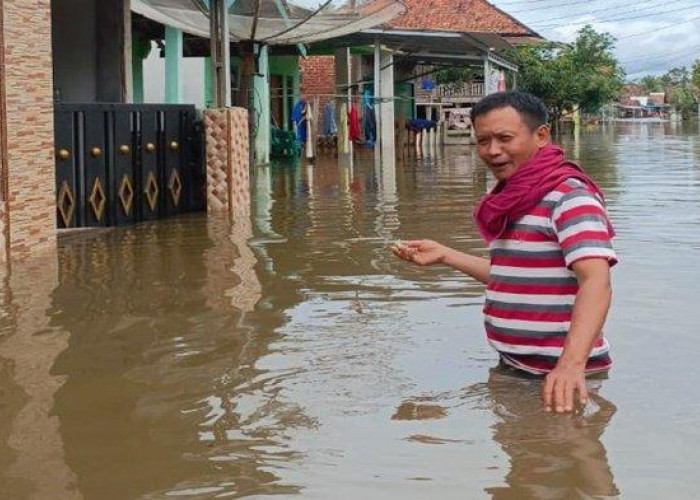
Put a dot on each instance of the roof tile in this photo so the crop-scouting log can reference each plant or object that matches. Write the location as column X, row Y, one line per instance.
column 460, row 16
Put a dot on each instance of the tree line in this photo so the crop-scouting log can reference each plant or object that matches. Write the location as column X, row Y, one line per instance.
column 586, row 75
column 681, row 85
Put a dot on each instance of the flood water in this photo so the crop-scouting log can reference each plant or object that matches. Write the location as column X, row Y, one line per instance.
column 292, row 355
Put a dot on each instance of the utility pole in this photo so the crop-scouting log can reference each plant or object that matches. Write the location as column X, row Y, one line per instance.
column 220, row 52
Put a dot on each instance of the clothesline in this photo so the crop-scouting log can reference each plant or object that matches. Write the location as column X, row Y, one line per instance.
column 346, row 126
column 304, row 96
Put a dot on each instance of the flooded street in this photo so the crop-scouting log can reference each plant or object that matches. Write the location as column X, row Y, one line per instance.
column 293, row 355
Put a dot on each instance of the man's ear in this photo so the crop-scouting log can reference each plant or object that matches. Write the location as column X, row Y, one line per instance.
column 543, row 135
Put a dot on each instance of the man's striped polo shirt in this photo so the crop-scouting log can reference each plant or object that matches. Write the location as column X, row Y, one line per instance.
column 531, row 293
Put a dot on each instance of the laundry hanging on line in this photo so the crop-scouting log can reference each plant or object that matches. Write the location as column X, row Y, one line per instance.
column 299, row 120
column 330, row 125
column 369, row 120
column 354, row 123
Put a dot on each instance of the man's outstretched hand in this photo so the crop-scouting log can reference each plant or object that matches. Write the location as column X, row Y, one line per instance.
column 421, row 252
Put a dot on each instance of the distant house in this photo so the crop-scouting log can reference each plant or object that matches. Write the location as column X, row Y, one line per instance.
column 634, row 103
column 658, row 98
column 425, row 17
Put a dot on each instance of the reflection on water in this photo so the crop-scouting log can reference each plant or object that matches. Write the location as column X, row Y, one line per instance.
column 32, row 455
column 550, row 456
column 147, row 335
column 290, row 354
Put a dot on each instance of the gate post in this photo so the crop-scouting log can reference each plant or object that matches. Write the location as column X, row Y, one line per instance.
column 27, row 173
column 227, row 153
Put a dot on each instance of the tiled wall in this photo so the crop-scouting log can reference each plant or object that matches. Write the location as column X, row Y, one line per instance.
column 228, row 178
column 28, row 176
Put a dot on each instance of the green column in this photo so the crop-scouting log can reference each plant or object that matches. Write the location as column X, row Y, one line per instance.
column 285, row 103
column 261, row 106
column 208, row 83
column 296, row 85
column 173, row 57
column 137, row 75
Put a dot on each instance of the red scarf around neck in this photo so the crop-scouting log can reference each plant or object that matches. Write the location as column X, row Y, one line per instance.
column 524, row 190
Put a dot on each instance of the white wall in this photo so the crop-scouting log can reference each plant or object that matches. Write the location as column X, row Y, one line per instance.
column 154, row 79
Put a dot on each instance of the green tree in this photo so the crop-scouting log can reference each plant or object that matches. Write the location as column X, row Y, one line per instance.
column 650, row 83
column 682, row 86
column 695, row 78
column 582, row 74
column 676, row 77
column 683, row 100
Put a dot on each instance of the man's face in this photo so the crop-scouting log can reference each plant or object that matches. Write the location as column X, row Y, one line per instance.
column 505, row 141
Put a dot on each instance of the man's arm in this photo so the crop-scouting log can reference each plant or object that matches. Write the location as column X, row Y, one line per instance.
column 478, row 268
column 590, row 310
column 428, row 252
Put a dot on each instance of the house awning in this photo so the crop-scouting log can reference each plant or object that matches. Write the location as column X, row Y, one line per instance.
column 274, row 22
column 430, row 46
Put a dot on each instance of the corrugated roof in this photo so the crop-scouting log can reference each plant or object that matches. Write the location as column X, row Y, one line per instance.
column 298, row 25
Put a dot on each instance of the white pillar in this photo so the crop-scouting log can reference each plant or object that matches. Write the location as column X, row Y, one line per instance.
column 432, row 136
column 385, row 128
column 488, row 85
column 343, row 82
column 261, row 104
column 377, row 92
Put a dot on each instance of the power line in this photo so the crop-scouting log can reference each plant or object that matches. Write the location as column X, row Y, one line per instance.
column 502, row 4
column 619, row 6
column 679, row 54
column 673, row 25
column 643, row 68
column 616, row 18
column 661, row 57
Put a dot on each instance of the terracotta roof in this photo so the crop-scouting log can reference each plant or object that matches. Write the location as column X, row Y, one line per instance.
column 461, row 16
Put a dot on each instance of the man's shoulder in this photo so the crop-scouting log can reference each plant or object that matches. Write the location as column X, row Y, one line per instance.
column 570, row 189
column 572, row 184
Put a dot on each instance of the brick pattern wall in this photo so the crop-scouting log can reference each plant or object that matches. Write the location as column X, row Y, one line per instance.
column 28, row 180
column 318, row 77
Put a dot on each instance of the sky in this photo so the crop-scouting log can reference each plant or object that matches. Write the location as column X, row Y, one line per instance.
column 652, row 35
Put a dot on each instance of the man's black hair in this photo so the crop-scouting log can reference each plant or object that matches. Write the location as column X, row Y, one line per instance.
column 531, row 108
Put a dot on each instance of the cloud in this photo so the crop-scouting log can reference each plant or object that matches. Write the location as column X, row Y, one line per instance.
column 648, row 45
column 645, row 46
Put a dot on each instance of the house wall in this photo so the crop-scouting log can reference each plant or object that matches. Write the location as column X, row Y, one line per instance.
column 193, row 91
column 91, row 50
column 75, row 50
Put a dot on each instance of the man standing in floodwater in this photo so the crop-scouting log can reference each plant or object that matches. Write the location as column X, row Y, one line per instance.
column 550, row 243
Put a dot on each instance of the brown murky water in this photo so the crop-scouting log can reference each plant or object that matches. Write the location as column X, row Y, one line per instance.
column 292, row 355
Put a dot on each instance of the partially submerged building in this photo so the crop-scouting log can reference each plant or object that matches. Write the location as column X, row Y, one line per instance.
column 468, row 38
column 79, row 148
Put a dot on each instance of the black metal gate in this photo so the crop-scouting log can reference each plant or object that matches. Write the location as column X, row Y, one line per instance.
column 117, row 164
